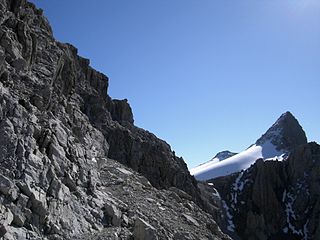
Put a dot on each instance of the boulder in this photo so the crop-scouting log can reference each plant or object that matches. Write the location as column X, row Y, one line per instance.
column 5, row 185
column 113, row 214
column 143, row 230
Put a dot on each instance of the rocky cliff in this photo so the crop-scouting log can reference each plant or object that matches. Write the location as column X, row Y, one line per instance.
column 275, row 199
column 59, row 130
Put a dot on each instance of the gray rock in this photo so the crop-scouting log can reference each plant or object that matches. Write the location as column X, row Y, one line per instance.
column 6, row 218
column 143, row 230
column 60, row 133
column 286, row 133
column 190, row 220
column 19, row 217
column 277, row 197
column 113, row 214
column 5, row 185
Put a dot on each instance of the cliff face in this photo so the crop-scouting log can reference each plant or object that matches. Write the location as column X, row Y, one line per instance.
column 275, row 200
column 59, row 130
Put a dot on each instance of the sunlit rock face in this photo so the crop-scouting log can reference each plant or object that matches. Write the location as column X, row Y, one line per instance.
column 59, row 131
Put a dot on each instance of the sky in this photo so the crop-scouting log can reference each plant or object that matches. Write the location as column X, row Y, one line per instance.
column 204, row 75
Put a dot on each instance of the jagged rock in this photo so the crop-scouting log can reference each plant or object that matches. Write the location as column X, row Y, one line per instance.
column 180, row 193
column 143, row 230
column 286, row 133
column 275, row 199
column 114, row 214
column 60, row 132
column 121, row 111
column 6, row 218
column 5, row 185
column 190, row 220
column 19, row 217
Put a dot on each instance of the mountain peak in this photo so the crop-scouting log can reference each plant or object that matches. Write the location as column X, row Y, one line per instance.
column 278, row 141
column 287, row 116
column 223, row 155
column 286, row 133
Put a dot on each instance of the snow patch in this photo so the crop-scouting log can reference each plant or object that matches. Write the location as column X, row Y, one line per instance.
column 289, row 200
column 230, row 227
column 238, row 162
column 237, row 188
column 215, row 193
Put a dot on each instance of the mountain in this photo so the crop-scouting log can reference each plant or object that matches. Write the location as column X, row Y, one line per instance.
column 220, row 156
column 286, row 133
column 274, row 199
column 72, row 163
column 283, row 136
column 270, row 200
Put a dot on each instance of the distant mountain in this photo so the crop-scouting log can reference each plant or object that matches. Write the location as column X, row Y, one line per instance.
column 268, row 200
column 274, row 199
column 220, row 156
column 285, row 134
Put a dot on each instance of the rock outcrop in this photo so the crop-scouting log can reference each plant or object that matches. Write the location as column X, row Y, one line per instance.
column 275, row 199
column 286, row 133
column 59, row 130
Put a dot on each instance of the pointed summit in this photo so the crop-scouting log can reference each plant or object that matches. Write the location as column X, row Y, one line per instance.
column 280, row 139
column 286, row 133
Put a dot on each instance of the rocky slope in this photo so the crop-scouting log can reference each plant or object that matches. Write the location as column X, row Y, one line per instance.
column 279, row 140
column 59, row 131
column 275, row 199
column 286, row 133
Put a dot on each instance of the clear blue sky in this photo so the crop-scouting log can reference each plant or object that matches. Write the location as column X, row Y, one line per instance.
column 204, row 75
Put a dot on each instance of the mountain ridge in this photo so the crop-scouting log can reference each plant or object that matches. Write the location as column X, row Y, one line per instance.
column 72, row 163
column 283, row 136
column 274, row 199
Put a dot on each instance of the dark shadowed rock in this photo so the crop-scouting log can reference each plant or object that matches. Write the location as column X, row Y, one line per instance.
column 286, row 133
column 143, row 230
column 274, row 199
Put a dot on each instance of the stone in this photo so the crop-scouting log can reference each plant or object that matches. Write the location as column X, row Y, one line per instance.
column 73, row 165
column 19, row 217
column 6, row 218
column 59, row 191
column 36, row 195
column 121, row 111
column 113, row 214
column 19, row 64
column 190, row 220
column 3, row 230
column 143, row 230
column 5, row 185
column 180, row 193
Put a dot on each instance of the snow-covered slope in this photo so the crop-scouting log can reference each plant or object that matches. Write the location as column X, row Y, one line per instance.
column 237, row 162
column 220, row 156
column 275, row 144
